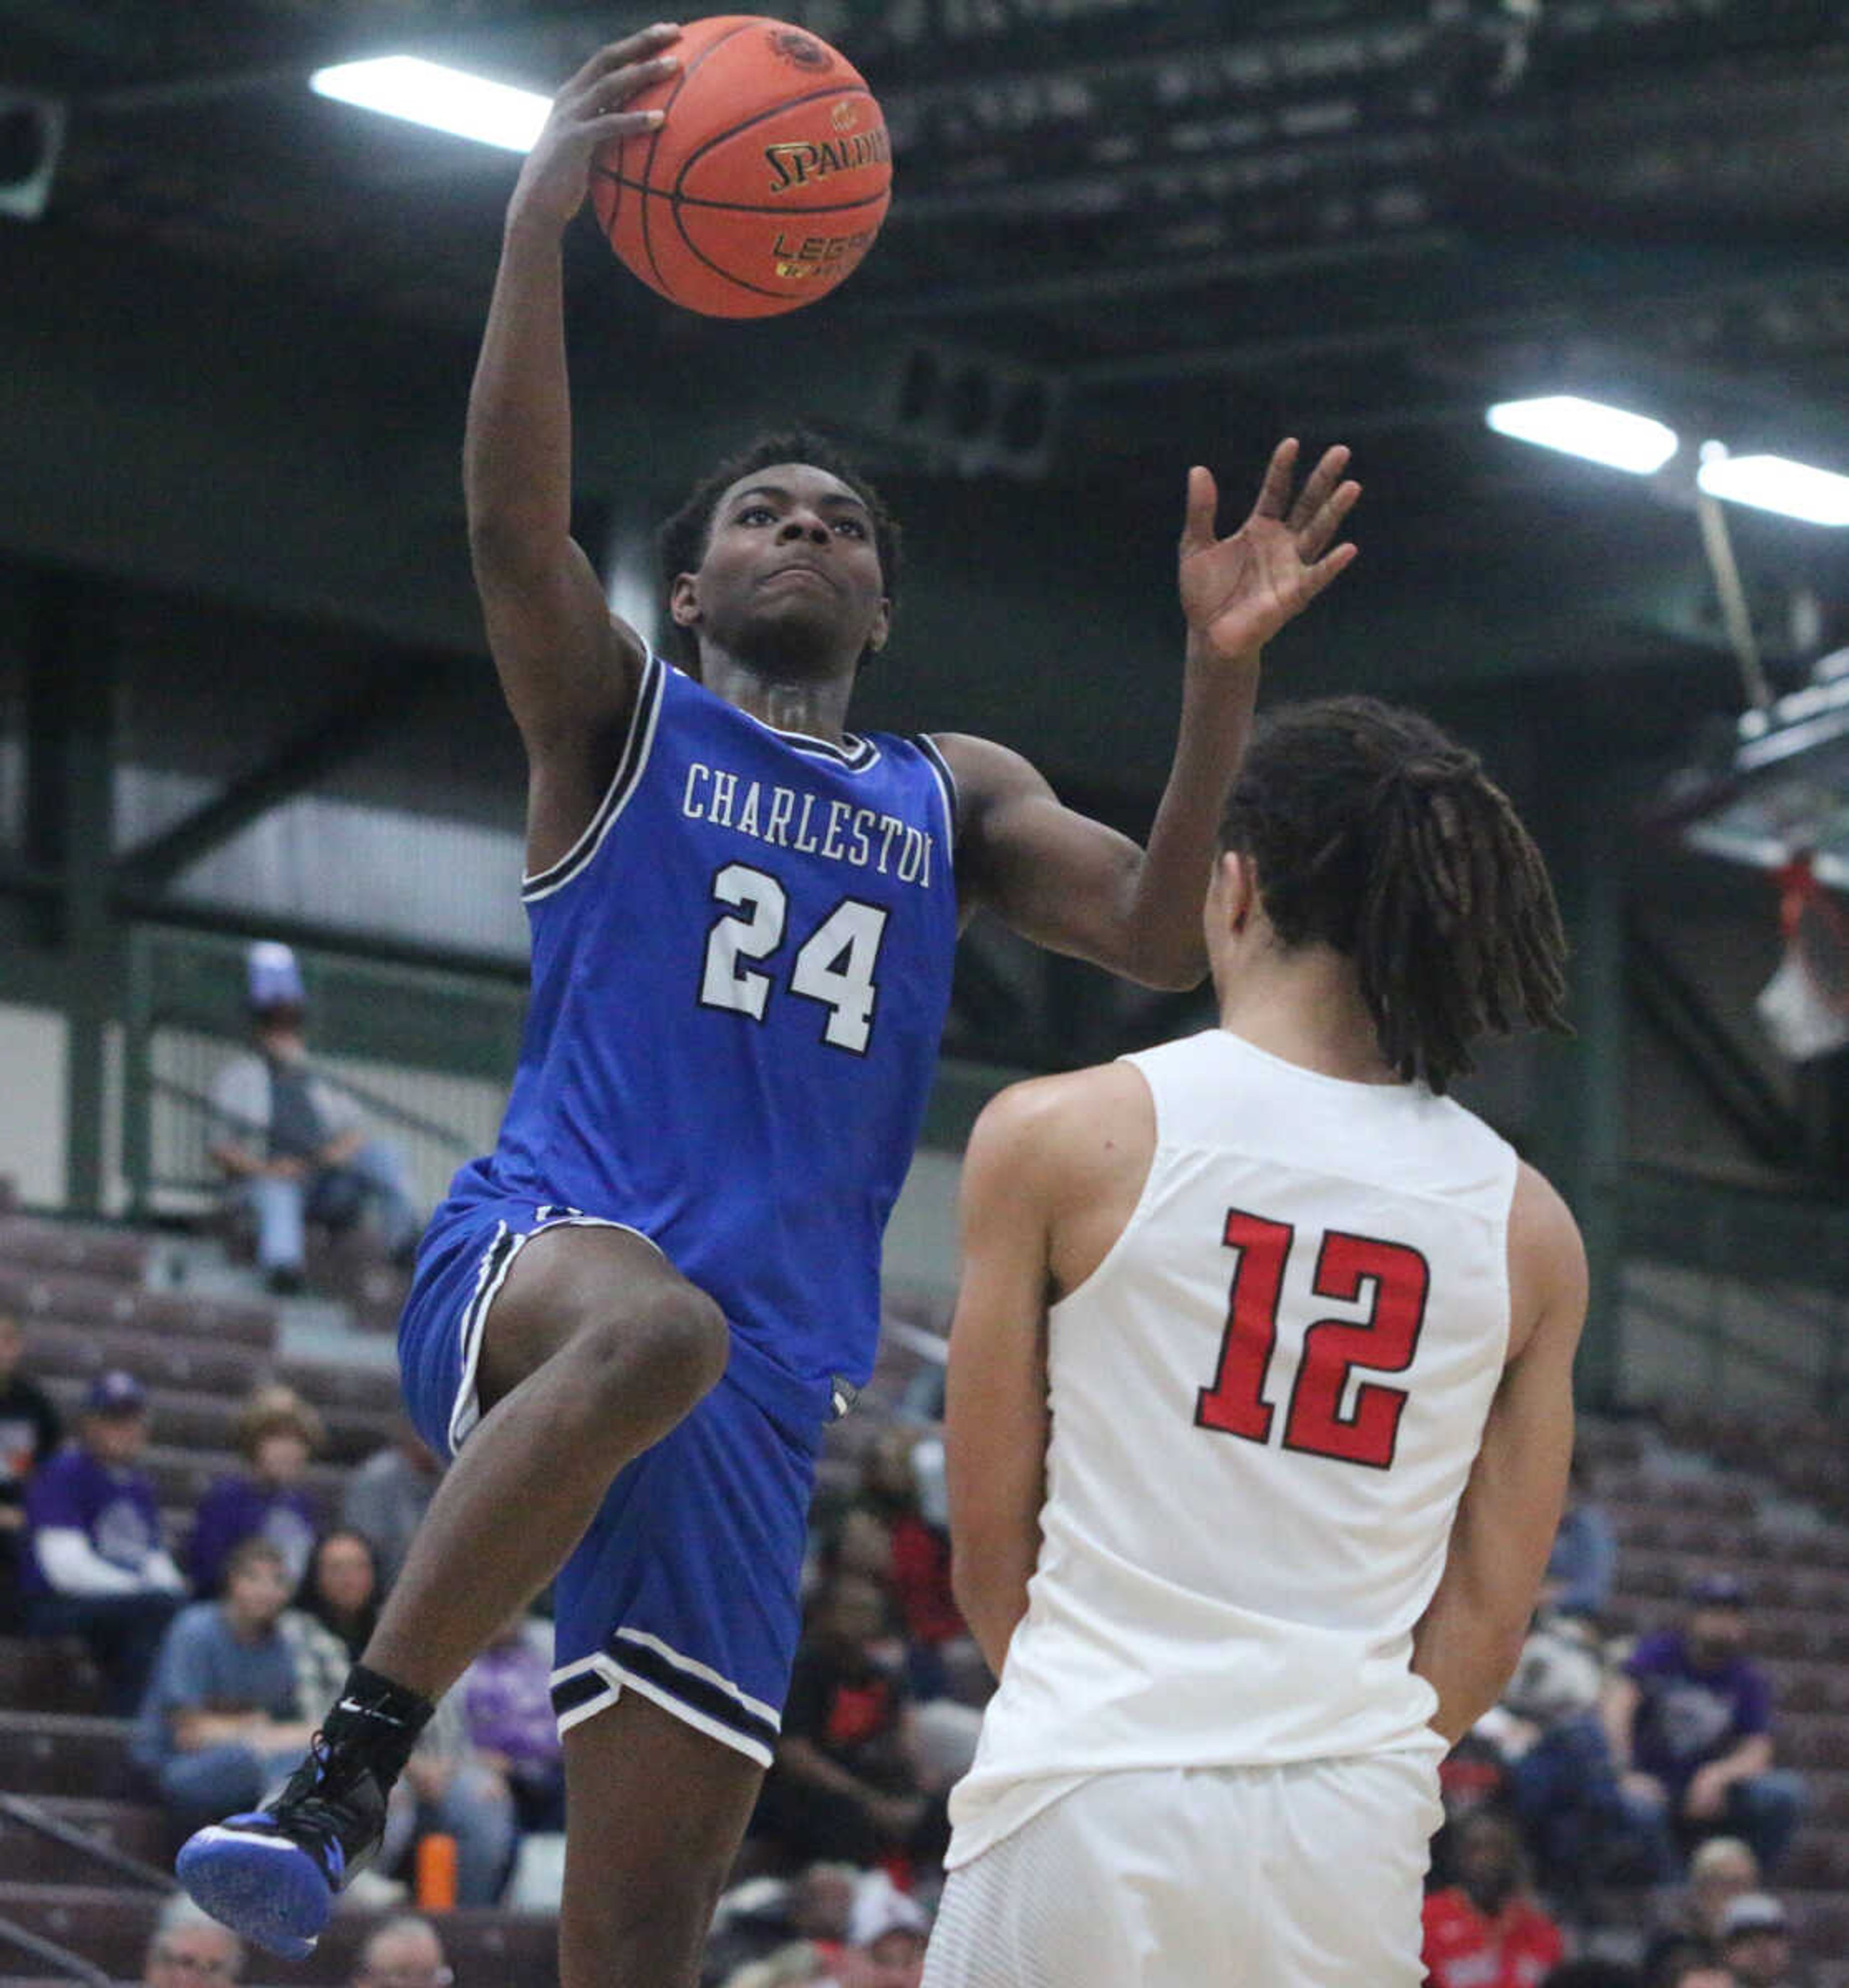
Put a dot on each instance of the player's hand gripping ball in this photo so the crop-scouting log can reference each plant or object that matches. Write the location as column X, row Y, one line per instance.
column 764, row 184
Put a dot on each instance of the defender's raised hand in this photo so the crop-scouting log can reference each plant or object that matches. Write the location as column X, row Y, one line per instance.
column 586, row 113
column 1237, row 592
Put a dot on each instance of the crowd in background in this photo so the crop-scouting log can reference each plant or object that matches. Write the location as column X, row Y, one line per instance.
column 1624, row 1800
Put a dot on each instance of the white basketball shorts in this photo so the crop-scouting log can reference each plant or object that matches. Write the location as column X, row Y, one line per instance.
column 1306, row 1876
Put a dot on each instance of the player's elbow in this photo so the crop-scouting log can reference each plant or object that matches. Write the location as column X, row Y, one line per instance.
column 1161, row 954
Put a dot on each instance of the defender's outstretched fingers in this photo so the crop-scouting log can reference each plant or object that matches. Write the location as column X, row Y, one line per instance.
column 1315, row 491
column 1318, row 576
column 1197, row 524
column 1273, row 498
column 1314, row 537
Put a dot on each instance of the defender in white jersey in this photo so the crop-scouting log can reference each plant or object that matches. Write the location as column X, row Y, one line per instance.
column 1260, row 1405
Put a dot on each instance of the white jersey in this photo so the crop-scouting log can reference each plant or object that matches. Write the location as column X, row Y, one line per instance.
column 1266, row 1402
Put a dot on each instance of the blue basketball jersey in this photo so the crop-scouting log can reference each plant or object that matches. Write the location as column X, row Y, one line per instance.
column 740, row 972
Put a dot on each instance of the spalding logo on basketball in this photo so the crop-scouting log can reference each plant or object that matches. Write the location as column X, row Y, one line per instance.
column 766, row 183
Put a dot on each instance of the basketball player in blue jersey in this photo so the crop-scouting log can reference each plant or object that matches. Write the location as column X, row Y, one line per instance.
column 631, row 1321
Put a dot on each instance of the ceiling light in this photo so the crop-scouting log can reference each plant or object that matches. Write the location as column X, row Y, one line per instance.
column 446, row 99
column 1609, row 435
column 1775, row 483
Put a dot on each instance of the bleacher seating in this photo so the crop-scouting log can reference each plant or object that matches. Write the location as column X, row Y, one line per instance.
column 1682, row 1508
column 82, row 1293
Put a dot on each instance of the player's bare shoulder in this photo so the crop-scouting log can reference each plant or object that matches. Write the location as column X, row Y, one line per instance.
column 1547, row 1275
column 1078, row 1148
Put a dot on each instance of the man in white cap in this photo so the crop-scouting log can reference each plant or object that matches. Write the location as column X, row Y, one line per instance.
column 99, row 1567
column 887, row 1931
column 1755, row 1942
column 294, row 1146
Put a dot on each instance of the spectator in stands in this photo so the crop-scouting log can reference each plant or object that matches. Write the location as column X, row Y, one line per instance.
column 1682, row 1962
column 341, row 1588
column 1592, row 1974
column 1560, row 1778
column 404, row 1952
column 221, row 1721
column 385, row 1497
column 507, row 1711
column 1485, row 1930
column 276, row 1433
column 99, row 1569
column 845, row 1783
column 1755, row 1942
column 918, row 1565
column 886, row 1934
column 1583, row 1562
column 797, row 1965
column 821, row 1905
column 1721, row 1869
column 30, row 1431
column 1688, row 1723
column 188, row 1946
column 448, row 1789
column 294, row 1147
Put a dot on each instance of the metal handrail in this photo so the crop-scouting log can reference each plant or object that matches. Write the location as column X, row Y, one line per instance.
column 60, row 1959
column 31, row 1816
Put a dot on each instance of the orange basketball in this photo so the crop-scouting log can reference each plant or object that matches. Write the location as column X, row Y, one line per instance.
column 766, row 182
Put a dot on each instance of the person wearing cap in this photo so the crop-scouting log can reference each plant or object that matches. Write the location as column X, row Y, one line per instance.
column 1688, row 1723
column 294, row 1147
column 887, row 1932
column 1755, row 1942
column 99, row 1568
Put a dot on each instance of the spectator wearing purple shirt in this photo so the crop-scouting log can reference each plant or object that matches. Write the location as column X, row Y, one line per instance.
column 29, row 1432
column 99, row 1569
column 277, row 1432
column 1689, row 1722
column 506, row 1699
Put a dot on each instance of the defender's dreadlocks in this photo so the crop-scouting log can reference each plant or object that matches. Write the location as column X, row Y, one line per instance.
column 680, row 543
column 1373, row 832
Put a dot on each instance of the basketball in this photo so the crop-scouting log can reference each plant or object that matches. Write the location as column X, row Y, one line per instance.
column 765, row 184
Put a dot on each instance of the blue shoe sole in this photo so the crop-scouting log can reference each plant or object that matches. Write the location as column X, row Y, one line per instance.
column 261, row 1886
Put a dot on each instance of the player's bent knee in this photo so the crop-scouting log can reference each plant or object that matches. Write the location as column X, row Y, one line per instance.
column 673, row 1348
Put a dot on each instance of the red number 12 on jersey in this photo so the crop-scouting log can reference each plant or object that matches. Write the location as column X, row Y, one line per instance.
column 1383, row 1342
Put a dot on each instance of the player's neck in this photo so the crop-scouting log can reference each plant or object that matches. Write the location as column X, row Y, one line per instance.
column 1302, row 1009
column 817, row 707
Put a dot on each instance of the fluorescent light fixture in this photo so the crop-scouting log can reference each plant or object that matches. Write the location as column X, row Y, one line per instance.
column 1609, row 435
column 1774, row 483
column 446, row 99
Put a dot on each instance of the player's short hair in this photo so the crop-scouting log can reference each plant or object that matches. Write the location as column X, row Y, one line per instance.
column 681, row 542
column 1373, row 831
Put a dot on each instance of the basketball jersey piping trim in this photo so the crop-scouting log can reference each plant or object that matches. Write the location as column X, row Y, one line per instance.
column 634, row 759
column 946, row 779
column 854, row 754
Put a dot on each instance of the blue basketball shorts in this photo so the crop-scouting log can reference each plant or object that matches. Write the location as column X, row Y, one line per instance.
column 686, row 1586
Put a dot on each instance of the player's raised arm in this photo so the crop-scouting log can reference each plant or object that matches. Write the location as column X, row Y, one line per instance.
column 1467, row 1641
column 569, row 670
column 995, row 1415
column 1077, row 887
